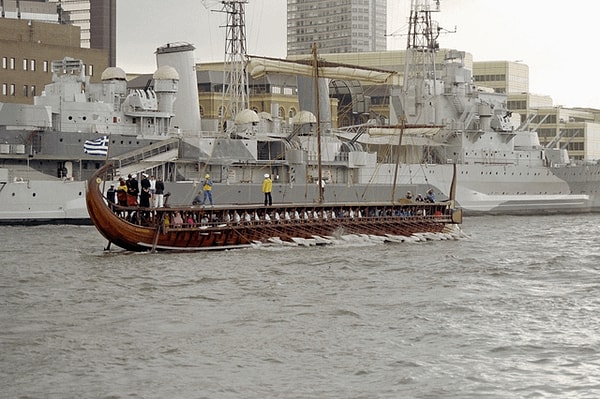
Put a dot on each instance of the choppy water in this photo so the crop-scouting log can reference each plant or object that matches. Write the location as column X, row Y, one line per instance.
column 511, row 312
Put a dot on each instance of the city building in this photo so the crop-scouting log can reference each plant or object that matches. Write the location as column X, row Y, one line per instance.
column 27, row 49
column 95, row 18
column 502, row 76
column 338, row 26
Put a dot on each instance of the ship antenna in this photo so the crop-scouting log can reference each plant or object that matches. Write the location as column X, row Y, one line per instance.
column 235, row 74
column 421, row 48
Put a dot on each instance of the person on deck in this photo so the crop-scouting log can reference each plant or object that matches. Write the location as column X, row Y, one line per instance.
column 207, row 188
column 430, row 196
column 111, row 195
column 159, row 193
column 152, row 189
column 145, row 193
column 133, row 190
column 177, row 220
column 267, row 187
column 198, row 199
column 122, row 192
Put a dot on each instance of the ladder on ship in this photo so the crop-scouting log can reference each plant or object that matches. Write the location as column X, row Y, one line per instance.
column 147, row 158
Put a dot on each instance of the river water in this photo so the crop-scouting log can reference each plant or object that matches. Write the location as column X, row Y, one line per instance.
column 512, row 311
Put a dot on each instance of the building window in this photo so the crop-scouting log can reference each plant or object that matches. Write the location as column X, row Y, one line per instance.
column 32, row 90
column 25, row 64
column 12, row 63
column 90, row 70
column 4, row 89
column 12, row 89
column 45, row 66
column 32, row 65
column 25, row 91
column 4, row 62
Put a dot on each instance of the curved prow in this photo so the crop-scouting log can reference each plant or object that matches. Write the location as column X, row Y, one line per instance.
column 112, row 227
column 96, row 206
column 456, row 212
column 453, row 185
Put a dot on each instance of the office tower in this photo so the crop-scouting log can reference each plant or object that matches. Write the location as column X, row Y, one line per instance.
column 337, row 26
column 103, row 27
column 97, row 20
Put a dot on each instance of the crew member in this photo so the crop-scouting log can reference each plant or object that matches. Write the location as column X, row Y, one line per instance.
column 133, row 189
column 207, row 188
column 267, row 187
column 430, row 197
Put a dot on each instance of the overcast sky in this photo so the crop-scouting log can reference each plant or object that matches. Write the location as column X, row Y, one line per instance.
column 558, row 42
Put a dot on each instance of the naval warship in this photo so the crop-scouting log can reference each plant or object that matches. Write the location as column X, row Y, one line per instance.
column 438, row 119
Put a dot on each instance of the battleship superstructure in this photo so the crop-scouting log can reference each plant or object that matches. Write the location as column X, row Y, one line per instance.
column 438, row 118
column 43, row 166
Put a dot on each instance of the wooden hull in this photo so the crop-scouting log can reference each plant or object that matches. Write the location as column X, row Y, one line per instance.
column 229, row 227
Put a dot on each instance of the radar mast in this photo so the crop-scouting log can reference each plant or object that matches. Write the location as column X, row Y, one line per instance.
column 235, row 74
column 420, row 89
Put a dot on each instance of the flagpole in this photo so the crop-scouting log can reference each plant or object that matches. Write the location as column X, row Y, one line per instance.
column 105, row 161
column 105, row 177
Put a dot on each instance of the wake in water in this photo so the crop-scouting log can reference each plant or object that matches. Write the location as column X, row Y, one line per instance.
column 452, row 232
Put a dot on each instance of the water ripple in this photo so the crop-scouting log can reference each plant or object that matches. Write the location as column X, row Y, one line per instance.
column 511, row 312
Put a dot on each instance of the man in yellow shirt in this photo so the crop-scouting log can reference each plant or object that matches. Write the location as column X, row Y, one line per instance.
column 207, row 188
column 267, row 187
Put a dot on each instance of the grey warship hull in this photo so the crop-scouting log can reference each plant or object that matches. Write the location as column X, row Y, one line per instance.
column 502, row 168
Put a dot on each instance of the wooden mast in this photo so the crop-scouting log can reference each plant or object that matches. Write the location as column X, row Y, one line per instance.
column 318, row 115
column 402, row 127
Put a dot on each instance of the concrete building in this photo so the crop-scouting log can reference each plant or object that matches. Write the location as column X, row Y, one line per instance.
column 95, row 18
column 27, row 49
column 338, row 26
column 502, row 76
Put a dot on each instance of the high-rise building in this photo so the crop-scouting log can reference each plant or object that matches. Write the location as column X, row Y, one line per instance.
column 97, row 20
column 103, row 27
column 337, row 26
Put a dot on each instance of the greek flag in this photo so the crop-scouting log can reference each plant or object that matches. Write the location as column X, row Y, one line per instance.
column 96, row 147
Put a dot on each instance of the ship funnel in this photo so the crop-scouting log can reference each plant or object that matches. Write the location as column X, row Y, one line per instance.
column 187, row 111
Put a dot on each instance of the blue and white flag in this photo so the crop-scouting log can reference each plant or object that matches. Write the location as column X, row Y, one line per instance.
column 96, row 147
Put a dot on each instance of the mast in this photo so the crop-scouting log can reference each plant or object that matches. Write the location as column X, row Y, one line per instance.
column 397, row 166
column 420, row 89
column 235, row 74
column 315, row 63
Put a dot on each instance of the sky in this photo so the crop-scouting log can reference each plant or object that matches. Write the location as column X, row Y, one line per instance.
column 559, row 43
